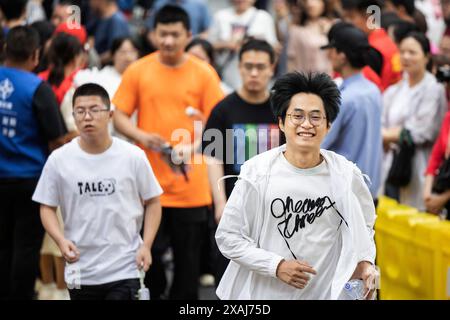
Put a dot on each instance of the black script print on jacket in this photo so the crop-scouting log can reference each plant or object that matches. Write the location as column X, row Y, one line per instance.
column 293, row 216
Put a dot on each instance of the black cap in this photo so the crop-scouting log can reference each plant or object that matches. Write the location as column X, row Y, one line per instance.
column 350, row 40
column 347, row 38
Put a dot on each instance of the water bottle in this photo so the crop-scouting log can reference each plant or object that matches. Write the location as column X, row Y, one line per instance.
column 354, row 289
column 443, row 214
column 143, row 292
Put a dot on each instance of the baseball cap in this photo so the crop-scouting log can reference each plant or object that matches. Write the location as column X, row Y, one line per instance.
column 72, row 29
column 350, row 40
column 347, row 38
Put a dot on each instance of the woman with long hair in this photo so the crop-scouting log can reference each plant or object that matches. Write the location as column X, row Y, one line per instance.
column 65, row 58
column 305, row 39
column 417, row 104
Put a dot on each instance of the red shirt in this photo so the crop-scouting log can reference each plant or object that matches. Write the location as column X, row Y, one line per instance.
column 438, row 153
column 61, row 90
column 391, row 70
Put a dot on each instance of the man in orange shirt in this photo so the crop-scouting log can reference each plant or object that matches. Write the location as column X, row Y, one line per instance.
column 360, row 13
column 162, row 87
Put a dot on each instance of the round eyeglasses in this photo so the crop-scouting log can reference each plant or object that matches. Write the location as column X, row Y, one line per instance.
column 94, row 113
column 298, row 118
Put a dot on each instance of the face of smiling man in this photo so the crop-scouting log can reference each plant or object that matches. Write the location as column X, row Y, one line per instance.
column 305, row 125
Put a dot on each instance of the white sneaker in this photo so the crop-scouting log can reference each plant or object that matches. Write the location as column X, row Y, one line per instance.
column 46, row 291
column 61, row 294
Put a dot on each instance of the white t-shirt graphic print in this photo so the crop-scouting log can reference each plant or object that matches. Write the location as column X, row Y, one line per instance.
column 101, row 198
column 301, row 220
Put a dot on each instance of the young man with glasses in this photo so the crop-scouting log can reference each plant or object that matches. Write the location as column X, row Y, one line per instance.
column 356, row 132
column 245, row 117
column 299, row 222
column 106, row 190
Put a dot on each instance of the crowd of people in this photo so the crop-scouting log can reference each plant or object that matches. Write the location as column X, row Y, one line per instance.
column 244, row 148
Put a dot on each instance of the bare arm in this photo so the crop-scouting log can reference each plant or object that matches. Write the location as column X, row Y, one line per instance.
column 434, row 203
column 391, row 135
column 429, row 179
column 152, row 220
column 124, row 125
column 215, row 172
column 226, row 45
column 51, row 225
column 151, row 224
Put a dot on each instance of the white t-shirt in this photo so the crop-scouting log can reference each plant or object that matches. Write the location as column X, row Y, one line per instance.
column 312, row 233
column 101, row 198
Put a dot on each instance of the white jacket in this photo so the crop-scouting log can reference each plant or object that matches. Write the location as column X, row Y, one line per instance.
column 239, row 232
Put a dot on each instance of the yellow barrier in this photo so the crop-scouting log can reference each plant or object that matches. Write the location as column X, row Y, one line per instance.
column 384, row 204
column 413, row 252
column 442, row 268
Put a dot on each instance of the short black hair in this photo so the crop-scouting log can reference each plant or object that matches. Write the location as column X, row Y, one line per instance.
column 21, row 43
column 361, row 5
column 13, row 9
column 257, row 45
column 206, row 46
column 92, row 89
column 293, row 83
column 172, row 14
column 407, row 4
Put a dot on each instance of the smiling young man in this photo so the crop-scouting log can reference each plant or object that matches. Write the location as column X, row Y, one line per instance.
column 299, row 222
column 106, row 189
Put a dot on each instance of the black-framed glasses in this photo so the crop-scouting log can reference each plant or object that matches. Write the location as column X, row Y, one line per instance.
column 298, row 118
column 94, row 113
column 258, row 66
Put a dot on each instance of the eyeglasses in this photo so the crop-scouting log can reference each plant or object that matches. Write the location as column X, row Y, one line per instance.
column 94, row 113
column 258, row 66
column 298, row 118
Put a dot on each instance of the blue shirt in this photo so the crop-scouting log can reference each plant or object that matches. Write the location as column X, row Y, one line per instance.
column 107, row 30
column 356, row 132
column 198, row 12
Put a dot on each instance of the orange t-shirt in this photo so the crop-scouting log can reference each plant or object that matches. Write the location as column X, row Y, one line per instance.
column 161, row 94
